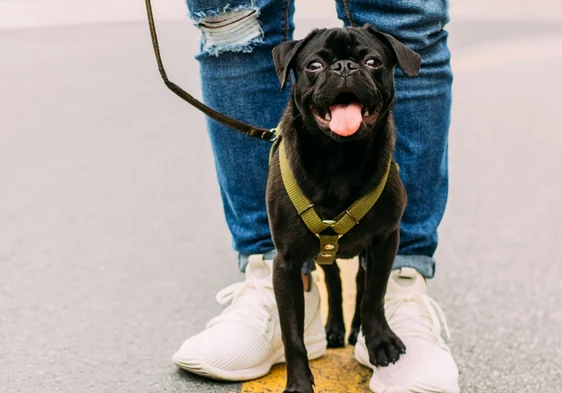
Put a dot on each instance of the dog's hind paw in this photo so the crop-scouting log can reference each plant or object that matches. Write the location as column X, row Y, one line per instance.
column 335, row 334
column 352, row 339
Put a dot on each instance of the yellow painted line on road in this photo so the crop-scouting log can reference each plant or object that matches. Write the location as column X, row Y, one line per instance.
column 337, row 371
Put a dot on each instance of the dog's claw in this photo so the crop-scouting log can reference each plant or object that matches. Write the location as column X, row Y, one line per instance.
column 400, row 345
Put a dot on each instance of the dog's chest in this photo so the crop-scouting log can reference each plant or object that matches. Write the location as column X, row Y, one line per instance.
column 331, row 196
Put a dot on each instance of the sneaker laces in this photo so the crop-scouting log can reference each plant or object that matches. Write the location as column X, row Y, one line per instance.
column 240, row 296
column 405, row 323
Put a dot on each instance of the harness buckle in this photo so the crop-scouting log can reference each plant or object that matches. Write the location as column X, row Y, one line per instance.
column 328, row 249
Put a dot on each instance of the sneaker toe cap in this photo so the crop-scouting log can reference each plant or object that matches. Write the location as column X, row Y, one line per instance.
column 424, row 368
column 222, row 349
column 191, row 357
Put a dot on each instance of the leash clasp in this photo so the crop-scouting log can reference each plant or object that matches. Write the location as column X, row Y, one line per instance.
column 273, row 137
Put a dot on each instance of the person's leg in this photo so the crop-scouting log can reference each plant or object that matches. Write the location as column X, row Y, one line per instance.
column 239, row 79
column 422, row 116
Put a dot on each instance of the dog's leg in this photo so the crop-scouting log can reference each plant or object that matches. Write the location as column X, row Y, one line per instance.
column 289, row 294
column 360, row 287
column 335, row 327
column 383, row 345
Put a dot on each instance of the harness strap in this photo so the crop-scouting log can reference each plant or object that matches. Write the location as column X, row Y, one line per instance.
column 341, row 224
column 237, row 125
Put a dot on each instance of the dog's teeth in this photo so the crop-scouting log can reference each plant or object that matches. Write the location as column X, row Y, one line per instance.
column 366, row 113
column 327, row 116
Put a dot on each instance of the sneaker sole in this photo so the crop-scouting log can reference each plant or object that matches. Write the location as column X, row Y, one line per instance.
column 362, row 356
column 315, row 346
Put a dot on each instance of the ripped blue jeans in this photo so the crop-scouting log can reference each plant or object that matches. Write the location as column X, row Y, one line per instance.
column 238, row 78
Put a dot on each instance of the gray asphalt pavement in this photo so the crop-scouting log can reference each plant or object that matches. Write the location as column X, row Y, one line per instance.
column 112, row 240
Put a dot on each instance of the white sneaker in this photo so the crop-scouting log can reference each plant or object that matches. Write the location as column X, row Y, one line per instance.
column 427, row 366
column 244, row 341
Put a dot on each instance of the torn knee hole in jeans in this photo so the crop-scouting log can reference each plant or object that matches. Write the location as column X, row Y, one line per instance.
column 229, row 30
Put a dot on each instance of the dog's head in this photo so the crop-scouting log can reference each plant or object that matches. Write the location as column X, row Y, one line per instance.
column 344, row 78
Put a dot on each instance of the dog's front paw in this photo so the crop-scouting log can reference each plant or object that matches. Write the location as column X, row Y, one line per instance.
column 288, row 390
column 384, row 348
column 335, row 333
column 299, row 388
column 352, row 339
column 299, row 379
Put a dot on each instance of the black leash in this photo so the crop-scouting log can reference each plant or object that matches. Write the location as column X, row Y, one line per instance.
column 247, row 129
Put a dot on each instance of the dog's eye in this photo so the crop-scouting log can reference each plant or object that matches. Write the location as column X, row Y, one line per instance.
column 314, row 66
column 373, row 63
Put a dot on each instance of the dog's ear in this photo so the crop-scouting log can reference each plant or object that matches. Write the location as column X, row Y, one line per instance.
column 284, row 54
column 408, row 60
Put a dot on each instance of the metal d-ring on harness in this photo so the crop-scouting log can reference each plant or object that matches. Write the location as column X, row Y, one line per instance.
column 305, row 208
column 341, row 224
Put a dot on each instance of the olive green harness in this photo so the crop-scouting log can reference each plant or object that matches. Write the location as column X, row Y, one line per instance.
column 341, row 224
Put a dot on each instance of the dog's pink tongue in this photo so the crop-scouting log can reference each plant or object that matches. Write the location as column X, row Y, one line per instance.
column 346, row 119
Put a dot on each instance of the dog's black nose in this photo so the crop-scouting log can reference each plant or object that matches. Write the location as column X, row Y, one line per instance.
column 344, row 67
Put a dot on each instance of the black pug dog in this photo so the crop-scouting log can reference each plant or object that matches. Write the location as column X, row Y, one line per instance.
column 338, row 137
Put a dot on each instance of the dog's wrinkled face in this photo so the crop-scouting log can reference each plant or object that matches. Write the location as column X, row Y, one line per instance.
column 344, row 78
